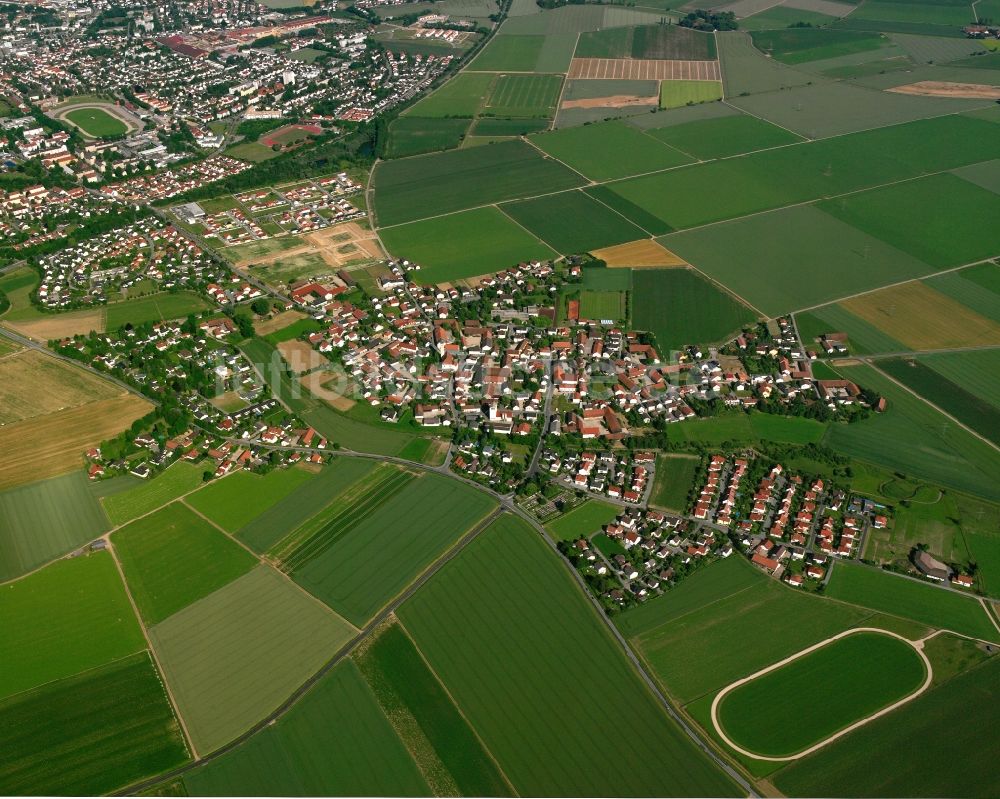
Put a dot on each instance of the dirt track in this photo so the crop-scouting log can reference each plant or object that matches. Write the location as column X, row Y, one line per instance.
column 615, row 101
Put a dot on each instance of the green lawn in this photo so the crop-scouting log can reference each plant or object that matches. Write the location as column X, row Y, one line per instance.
column 530, row 643
column 154, row 308
column 305, row 754
column 44, row 520
column 90, row 734
column 911, row 599
column 679, row 307
column 234, row 656
column 674, row 479
column 464, row 244
column 609, row 150
column 70, row 616
column 571, row 222
column 173, row 557
column 96, row 123
column 583, row 520
column 176, row 480
column 850, row 679
column 724, row 137
column 239, row 499
column 411, row 696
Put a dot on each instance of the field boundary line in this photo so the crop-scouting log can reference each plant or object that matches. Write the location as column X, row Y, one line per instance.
column 699, row 608
column 850, row 728
column 461, row 712
column 535, row 236
column 175, row 707
column 598, row 199
column 986, row 609
column 75, row 674
column 544, row 154
column 566, row 79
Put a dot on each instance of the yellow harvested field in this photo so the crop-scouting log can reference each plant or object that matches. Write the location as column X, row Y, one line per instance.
column 54, row 444
column 300, row 356
column 33, row 384
column 277, row 322
column 922, row 318
column 644, row 252
column 61, row 325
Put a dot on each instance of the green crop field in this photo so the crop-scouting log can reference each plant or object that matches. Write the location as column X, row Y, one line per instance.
column 459, row 97
column 647, row 41
column 510, row 54
column 355, row 434
column 154, row 308
column 719, row 643
column 932, row 746
column 90, row 734
column 240, row 498
column 677, row 93
column 942, row 220
column 913, row 438
column 911, row 599
column 850, row 678
column 679, row 307
column 862, row 337
column 178, row 479
column 748, row 429
column 173, row 557
column 523, row 96
column 367, row 553
column 530, row 641
column 572, row 222
column 464, row 244
column 44, row 520
column 491, row 126
column 70, row 616
column 801, row 45
column 583, row 520
column 96, row 123
column 307, row 753
column 429, row 185
column 609, row 150
column 946, row 18
column 234, row 656
column 723, row 137
column 413, row 699
column 411, row 135
column 977, row 287
column 284, row 516
column 981, row 413
column 674, row 479
column 628, row 209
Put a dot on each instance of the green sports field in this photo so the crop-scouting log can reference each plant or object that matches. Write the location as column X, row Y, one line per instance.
column 71, row 616
column 236, row 501
column 454, row 759
column 234, row 656
column 583, row 520
column 90, row 734
column 464, row 244
column 572, row 222
column 523, row 96
column 609, row 150
column 602, row 305
column 677, row 93
column 45, row 520
column 679, row 307
column 723, row 137
column 304, row 754
column 173, row 557
column 97, row 123
column 530, row 640
column 911, row 599
column 850, row 678
column 176, row 480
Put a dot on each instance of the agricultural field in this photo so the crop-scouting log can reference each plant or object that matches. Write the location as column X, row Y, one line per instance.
column 942, row 18
column 511, row 53
column 239, row 499
column 863, row 338
column 801, row 45
column 460, row 97
column 376, row 538
column 647, row 41
column 173, row 557
column 583, row 520
column 609, row 150
column 572, row 222
column 176, row 480
column 96, row 123
column 69, row 617
column 748, row 429
column 850, row 678
column 523, row 96
column 304, row 754
column 89, row 734
column 411, row 135
column 442, row 246
column 679, row 307
column 674, row 480
column 530, row 640
column 33, row 384
column 677, row 93
column 934, row 744
column 492, row 126
column 452, row 758
column 233, row 657
column 45, row 520
column 706, row 139
column 911, row 599
column 430, row 185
